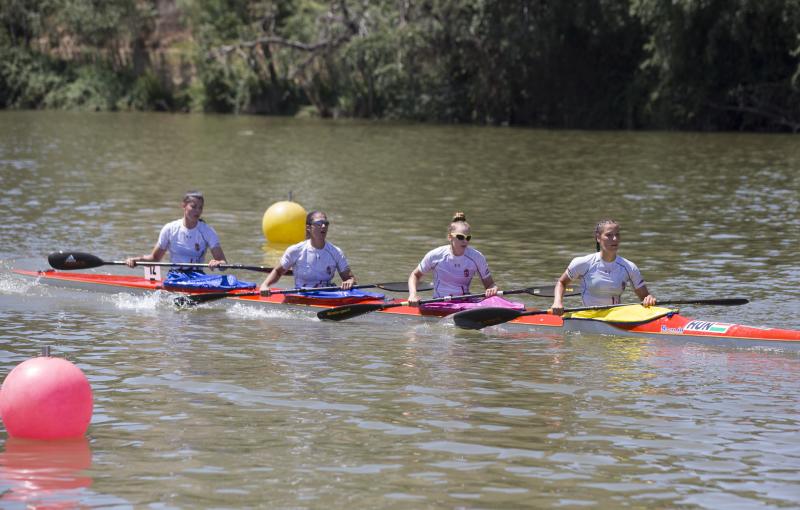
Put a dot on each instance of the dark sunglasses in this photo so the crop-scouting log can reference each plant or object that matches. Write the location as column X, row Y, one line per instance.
column 320, row 223
column 462, row 237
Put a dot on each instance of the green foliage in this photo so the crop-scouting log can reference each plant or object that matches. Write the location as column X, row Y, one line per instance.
column 22, row 20
column 688, row 64
column 149, row 93
column 26, row 78
column 90, row 88
column 103, row 23
column 721, row 63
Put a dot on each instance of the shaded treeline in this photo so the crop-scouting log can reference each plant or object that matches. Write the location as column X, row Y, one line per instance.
column 605, row 64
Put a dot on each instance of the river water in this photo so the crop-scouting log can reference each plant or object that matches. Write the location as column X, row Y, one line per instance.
column 228, row 407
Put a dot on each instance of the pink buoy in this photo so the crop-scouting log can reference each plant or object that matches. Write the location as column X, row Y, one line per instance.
column 46, row 398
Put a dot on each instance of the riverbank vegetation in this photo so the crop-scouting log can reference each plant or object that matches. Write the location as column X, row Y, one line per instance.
column 591, row 64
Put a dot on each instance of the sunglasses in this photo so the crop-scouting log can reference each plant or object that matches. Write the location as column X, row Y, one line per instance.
column 462, row 237
column 320, row 223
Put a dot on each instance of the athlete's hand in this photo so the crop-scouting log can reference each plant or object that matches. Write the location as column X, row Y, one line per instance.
column 214, row 264
column 649, row 301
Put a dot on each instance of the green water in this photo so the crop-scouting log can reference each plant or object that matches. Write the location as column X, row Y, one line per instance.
column 233, row 407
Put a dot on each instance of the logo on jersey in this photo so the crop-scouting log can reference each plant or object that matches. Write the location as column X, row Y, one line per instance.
column 466, row 273
column 707, row 327
column 196, row 246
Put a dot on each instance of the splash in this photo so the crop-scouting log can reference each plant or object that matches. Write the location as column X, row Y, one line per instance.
column 241, row 311
column 144, row 302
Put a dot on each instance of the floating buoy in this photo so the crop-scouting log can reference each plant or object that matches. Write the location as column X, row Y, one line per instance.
column 46, row 398
column 284, row 222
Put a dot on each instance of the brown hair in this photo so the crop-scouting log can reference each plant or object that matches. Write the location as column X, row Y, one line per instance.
column 457, row 217
column 193, row 194
column 309, row 216
column 599, row 228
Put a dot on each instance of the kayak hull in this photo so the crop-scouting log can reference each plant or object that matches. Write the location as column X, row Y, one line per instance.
column 672, row 326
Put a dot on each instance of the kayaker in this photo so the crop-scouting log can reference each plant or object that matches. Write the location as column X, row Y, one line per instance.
column 453, row 266
column 604, row 274
column 314, row 261
column 186, row 239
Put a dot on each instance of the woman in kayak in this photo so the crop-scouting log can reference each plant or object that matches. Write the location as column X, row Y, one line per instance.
column 604, row 274
column 186, row 239
column 454, row 265
column 314, row 261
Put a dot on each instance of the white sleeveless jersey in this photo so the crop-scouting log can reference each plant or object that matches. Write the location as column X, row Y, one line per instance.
column 453, row 274
column 187, row 244
column 313, row 267
column 602, row 283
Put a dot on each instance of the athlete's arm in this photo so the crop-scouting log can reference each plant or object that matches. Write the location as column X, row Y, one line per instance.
column 557, row 308
column 413, row 279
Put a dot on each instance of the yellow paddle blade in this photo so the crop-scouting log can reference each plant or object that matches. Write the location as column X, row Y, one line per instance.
column 623, row 314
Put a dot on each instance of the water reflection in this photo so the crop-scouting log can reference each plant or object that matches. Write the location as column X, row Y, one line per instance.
column 44, row 473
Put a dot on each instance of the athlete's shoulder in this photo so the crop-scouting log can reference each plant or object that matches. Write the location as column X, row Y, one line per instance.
column 333, row 248
column 202, row 226
column 296, row 247
column 439, row 252
column 473, row 253
column 622, row 261
column 172, row 226
column 585, row 259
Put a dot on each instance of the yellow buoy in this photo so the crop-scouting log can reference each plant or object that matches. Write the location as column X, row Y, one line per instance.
column 284, row 222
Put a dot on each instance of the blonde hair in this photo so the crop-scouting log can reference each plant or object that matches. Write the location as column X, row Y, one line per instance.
column 458, row 217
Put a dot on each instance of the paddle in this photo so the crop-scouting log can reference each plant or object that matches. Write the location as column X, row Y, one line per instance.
column 196, row 299
column 478, row 318
column 549, row 291
column 344, row 312
column 70, row 260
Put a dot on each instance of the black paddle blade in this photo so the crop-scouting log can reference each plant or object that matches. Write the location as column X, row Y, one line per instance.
column 198, row 299
column 184, row 302
column 341, row 313
column 479, row 318
column 401, row 287
column 69, row 260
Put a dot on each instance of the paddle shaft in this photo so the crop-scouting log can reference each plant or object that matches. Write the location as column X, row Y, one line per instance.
column 478, row 318
column 451, row 298
column 261, row 269
column 196, row 299
column 345, row 312
column 72, row 260
column 717, row 301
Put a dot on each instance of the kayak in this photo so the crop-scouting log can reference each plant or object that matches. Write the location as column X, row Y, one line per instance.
column 672, row 325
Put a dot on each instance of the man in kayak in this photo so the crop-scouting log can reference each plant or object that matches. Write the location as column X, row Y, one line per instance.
column 186, row 240
column 453, row 266
column 314, row 261
column 604, row 274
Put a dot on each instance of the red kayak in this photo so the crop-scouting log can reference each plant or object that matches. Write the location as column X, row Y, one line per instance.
column 672, row 326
